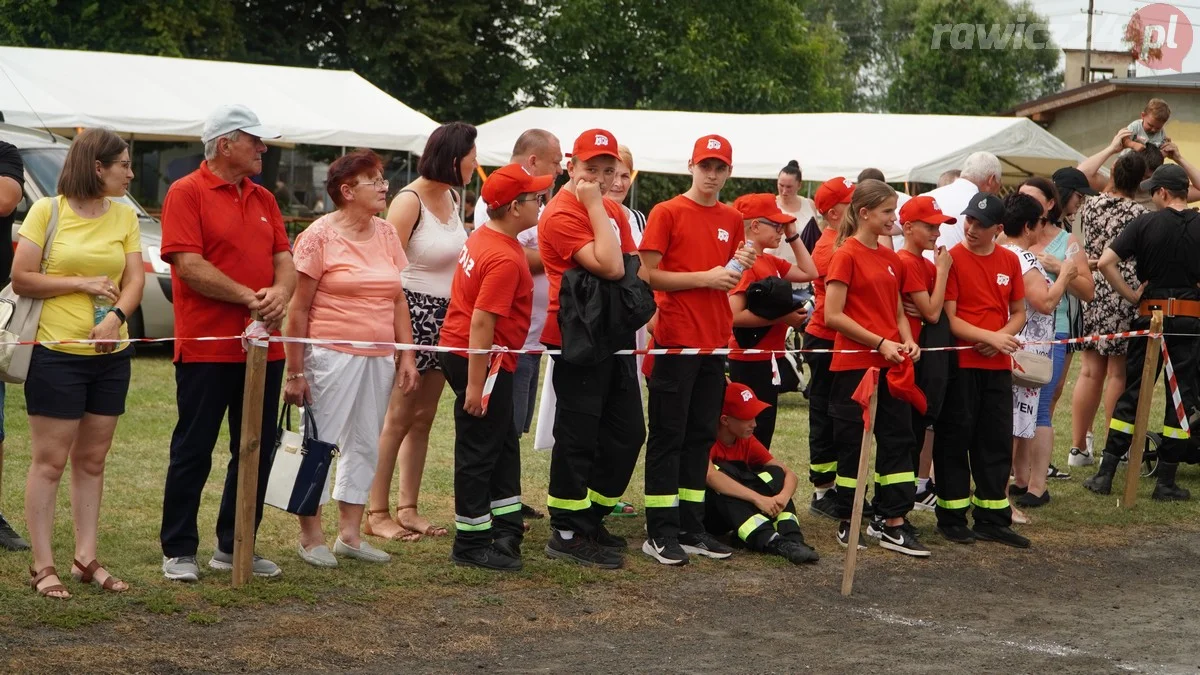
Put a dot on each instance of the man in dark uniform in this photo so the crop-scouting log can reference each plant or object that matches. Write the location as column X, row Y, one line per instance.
column 1166, row 245
column 12, row 178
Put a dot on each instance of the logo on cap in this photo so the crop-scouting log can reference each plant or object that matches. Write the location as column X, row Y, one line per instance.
column 722, row 235
column 601, row 139
column 714, row 144
column 982, row 204
column 847, row 182
column 934, row 203
column 747, row 395
column 1001, row 279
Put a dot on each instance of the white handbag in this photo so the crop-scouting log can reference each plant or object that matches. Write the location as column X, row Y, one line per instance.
column 299, row 467
column 1031, row 370
column 19, row 317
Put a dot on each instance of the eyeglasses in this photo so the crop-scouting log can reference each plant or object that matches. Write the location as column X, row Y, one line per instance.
column 380, row 184
column 539, row 197
column 764, row 221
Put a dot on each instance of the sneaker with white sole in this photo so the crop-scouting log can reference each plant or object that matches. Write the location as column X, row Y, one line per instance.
column 843, row 536
column 318, row 556
column 703, row 543
column 926, row 500
column 900, row 540
column 665, row 550
column 262, row 567
column 365, row 552
column 1080, row 458
column 1054, row 473
column 182, row 568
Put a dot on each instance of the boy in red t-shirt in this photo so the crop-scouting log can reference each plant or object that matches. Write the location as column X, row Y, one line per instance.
column 598, row 423
column 985, row 301
column 922, row 218
column 688, row 243
column 491, row 298
column 765, row 227
column 749, row 491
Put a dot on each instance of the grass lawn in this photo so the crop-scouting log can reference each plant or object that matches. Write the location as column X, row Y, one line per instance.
column 131, row 512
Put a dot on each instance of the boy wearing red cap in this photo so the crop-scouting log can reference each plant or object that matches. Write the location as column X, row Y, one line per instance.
column 598, row 425
column 766, row 226
column 749, row 491
column 491, row 297
column 688, row 243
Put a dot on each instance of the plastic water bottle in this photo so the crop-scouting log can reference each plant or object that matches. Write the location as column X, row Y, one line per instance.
column 100, row 306
column 734, row 265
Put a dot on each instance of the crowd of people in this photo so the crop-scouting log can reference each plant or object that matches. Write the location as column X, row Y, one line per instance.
column 991, row 280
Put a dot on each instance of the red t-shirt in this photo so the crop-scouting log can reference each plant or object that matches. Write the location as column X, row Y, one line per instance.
column 875, row 278
column 766, row 265
column 919, row 268
column 747, row 450
column 237, row 234
column 983, row 286
column 822, row 254
column 693, row 238
column 492, row 275
column 563, row 228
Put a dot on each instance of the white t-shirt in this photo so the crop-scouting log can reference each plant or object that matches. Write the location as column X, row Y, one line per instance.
column 806, row 212
column 952, row 199
column 541, row 285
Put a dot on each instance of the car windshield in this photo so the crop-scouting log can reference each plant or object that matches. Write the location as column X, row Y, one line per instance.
column 44, row 166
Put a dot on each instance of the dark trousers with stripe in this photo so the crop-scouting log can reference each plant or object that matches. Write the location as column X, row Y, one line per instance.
column 895, row 482
column 822, row 455
column 1184, row 351
column 598, row 432
column 686, row 393
column 934, row 371
column 729, row 514
column 973, row 439
column 487, row 463
column 759, row 377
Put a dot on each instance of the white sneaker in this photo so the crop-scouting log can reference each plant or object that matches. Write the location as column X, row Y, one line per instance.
column 365, row 552
column 1080, row 457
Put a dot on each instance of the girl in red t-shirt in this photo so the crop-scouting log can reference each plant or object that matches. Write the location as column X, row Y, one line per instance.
column 862, row 303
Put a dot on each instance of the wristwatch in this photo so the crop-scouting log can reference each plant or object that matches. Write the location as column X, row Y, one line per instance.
column 120, row 315
column 792, row 238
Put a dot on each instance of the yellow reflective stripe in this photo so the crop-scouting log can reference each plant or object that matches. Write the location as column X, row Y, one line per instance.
column 824, row 467
column 752, row 523
column 842, row 481
column 600, row 499
column 467, row 527
column 1123, row 427
column 766, row 476
column 994, row 504
column 501, row 510
column 786, row 515
column 695, row 496
column 1176, row 432
column 568, row 504
column 661, row 501
column 896, row 478
column 953, row 504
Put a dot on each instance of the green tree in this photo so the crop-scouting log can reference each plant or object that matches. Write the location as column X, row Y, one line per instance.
column 970, row 57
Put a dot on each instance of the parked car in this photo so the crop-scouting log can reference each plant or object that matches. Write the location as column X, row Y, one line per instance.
column 43, row 154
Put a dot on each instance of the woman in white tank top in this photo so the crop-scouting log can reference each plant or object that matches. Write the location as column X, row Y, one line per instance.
column 425, row 214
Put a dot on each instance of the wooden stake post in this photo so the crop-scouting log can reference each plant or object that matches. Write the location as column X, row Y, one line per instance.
column 860, row 487
column 248, row 458
column 1133, row 468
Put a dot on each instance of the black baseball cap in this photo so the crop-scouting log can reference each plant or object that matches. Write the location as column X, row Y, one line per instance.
column 1070, row 178
column 986, row 208
column 1169, row 176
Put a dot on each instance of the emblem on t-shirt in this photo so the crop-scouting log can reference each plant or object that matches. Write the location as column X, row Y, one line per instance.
column 601, row 139
column 722, row 235
column 747, row 396
column 1001, row 279
column 714, row 144
column 890, row 270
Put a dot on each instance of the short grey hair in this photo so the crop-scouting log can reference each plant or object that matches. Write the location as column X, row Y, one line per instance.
column 980, row 166
column 210, row 148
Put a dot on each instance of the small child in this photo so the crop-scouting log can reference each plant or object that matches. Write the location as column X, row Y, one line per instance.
column 748, row 490
column 1149, row 128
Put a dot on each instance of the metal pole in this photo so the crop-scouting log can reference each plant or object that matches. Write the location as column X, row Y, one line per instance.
column 1087, row 54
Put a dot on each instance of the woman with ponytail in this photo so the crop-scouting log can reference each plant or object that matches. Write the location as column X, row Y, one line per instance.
column 804, row 209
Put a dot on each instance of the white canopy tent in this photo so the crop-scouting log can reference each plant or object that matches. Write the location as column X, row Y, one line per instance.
column 914, row 148
column 160, row 98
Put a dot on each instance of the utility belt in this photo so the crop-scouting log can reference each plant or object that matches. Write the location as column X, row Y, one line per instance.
column 1171, row 307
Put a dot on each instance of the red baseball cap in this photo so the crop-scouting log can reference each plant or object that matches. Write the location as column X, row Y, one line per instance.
column 923, row 209
column 741, row 403
column 509, row 182
column 762, row 205
column 712, row 147
column 594, row 143
column 833, row 192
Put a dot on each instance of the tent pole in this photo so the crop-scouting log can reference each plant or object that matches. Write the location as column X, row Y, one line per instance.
column 408, row 168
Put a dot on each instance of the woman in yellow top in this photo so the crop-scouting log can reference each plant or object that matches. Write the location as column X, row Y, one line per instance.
column 74, row 393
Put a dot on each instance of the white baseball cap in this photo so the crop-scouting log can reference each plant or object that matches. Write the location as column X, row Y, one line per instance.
column 235, row 117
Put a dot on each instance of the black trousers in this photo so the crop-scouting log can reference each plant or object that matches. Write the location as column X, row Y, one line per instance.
column 895, row 483
column 725, row 514
column 205, row 393
column 599, row 429
column 822, row 455
column 933, row 373
column 487, row 463
column 686, row 394
column 973, row 439
column 758, row 376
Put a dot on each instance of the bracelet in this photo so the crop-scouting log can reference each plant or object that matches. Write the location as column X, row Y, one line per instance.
column 118, row 312
column 880, row 344
column 295, row 376
column 792, row 238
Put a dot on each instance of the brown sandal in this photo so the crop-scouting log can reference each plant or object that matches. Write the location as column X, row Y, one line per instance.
column 36, row 578
column 87, row 575
column 405, row 534
column 430, row 531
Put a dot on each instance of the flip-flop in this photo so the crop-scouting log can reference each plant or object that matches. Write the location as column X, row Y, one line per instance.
column 624, row 510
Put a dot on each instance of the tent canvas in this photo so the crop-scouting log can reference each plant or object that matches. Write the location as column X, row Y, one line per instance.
column 914, row 148
column 161, row 98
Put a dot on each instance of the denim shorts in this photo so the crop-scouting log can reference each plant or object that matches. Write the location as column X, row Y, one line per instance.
column 1058, row 352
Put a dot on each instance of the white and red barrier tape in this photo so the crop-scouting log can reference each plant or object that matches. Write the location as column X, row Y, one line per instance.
column 1173, row 387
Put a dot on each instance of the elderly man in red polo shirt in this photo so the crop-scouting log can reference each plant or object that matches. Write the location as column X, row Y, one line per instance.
column 223, row 236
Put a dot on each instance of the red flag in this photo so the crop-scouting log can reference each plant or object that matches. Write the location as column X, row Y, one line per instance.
column 902, row 383
column 862, row 393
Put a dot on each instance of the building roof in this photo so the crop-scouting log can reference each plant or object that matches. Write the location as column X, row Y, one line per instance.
column 1044, row 108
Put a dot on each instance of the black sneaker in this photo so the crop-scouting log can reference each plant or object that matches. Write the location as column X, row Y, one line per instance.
column 926, row 500
column 583, row 550
column 843, row 536
column 509, row 546
column 489, row 558
column 665, row 550
column 703, row 543
column 826, row 506
column 9, row 538
column 1054, row 473
column 1000, row 534
column 896, row 538
column 959, row 534
column 793, row 551
column 1032, row 501
column 1015, row 490
column 875, row 528
column 608, row 540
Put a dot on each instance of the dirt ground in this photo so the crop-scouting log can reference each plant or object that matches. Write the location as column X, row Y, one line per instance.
column 1129, row 607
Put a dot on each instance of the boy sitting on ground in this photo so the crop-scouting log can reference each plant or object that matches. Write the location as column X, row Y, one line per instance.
column 749, row 490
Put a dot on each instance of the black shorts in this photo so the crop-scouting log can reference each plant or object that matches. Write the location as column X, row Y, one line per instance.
column 66, row 386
